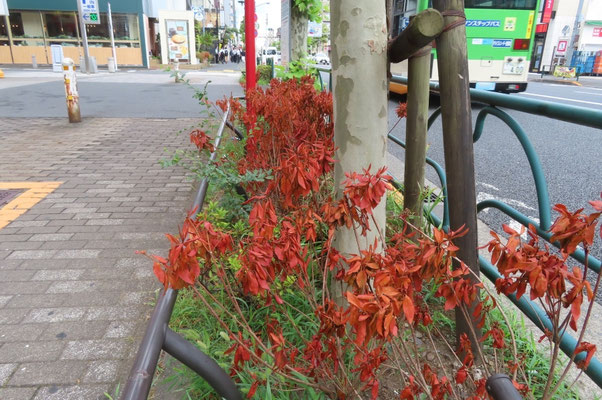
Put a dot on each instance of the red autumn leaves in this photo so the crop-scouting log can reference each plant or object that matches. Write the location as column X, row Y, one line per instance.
column 533, row 268
column 292, row 222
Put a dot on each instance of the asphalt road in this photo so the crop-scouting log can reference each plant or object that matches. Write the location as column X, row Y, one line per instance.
column 126, row 94
column 570, row 156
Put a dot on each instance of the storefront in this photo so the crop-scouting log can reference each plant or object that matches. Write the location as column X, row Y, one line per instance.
column 34, row 25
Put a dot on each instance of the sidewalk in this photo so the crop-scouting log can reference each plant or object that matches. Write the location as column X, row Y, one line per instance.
column 74, row 296
column 594, row 81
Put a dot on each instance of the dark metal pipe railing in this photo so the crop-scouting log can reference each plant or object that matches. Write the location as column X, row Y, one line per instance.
column 200, row 363
column 141, row 376
column 159, row 337
column 500, row 387
column 576, row 115
column 562, row 112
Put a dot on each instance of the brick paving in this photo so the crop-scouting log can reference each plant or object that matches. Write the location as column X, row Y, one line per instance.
column 74, row 296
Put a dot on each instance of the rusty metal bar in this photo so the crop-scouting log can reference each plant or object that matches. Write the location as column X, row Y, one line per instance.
column 158, row 336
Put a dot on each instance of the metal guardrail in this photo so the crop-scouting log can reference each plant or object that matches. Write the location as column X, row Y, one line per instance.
column 573, row 114
column 159, row 336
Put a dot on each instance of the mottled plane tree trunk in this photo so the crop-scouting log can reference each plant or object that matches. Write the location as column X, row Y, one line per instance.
column 299, row 22
column 359, row 62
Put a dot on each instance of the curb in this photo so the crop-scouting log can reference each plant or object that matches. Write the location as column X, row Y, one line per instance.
column 561, row 82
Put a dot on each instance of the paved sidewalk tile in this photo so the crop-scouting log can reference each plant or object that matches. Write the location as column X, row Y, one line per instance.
column 74, row 295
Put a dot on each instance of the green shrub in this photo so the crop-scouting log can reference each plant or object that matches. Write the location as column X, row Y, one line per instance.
column 265, row 73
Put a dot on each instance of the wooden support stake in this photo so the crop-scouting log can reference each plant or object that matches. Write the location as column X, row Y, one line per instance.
column 458, row 147
column 423, row 28
column 416, row 126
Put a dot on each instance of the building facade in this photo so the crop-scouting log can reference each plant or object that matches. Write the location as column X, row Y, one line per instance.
column 567, row 31
column 34, row 25
column 225, row 13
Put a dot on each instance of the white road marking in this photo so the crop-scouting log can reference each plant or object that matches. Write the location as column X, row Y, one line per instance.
column 517, row 226
column 561, row 98
column 489, row 186
column 591, row 88
column 591, row 94
column 481, row 196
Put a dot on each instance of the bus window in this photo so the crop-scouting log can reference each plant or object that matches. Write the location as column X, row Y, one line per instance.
column 501, row 4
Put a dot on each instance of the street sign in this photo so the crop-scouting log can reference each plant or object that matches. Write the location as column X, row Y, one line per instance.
column 89, row 10
column 561, row 48
column 199, row 14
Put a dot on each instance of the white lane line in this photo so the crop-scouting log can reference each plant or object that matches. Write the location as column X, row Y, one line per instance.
column 487, row 196
column 590, row 93
column 488, row 186
column 589, row 88
column 517, row 226
column 561, row 98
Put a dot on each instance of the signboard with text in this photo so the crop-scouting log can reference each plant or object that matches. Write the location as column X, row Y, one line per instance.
column 314, row 29
column 89, row 10
column 177, row 39
column 597, row 31
column 199, row 14
column 561, row 48
column 548, row 7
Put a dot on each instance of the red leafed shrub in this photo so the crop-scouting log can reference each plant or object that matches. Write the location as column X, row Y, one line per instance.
column 270, row 284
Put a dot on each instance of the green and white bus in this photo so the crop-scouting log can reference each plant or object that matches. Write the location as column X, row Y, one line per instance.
column 499, row 37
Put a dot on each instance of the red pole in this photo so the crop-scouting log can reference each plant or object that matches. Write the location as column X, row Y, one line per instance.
column 250, row 43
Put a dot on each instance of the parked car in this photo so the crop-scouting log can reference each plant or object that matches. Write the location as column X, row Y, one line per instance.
column 321, row 58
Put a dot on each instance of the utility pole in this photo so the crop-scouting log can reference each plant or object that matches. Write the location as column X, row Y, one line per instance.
column 250, row 44
column 112, row 36
column 84, row 38
column 578, row 19
column 234, row 16
column 217, row 9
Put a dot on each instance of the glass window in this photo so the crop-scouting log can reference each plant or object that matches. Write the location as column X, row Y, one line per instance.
column 100, row 31
column 3, row 27
column 61, row 25
column 26, row 27
column 411, row 6
column 16, row 24
column 506, row 4
column 125, row 27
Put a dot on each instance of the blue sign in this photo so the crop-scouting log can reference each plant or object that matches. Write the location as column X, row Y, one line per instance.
column 502, row 43
column 405, row 22
column 483, row 23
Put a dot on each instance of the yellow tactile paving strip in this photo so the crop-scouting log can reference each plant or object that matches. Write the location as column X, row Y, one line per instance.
column 33, row 194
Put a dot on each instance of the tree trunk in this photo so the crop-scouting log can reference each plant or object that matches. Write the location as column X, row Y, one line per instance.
column 298, row 34
column 359, row 61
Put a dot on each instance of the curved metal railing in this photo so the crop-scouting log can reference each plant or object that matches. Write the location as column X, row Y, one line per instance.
column 573, row 114
column 159, row 336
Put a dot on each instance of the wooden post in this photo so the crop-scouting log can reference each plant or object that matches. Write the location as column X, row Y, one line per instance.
column 457, row 140
column 419, row 69
column 423, row 28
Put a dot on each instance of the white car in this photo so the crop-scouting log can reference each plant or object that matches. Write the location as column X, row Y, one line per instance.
column 321, row 58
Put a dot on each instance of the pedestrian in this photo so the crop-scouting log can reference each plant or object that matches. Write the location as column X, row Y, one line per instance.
column 216, row 55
